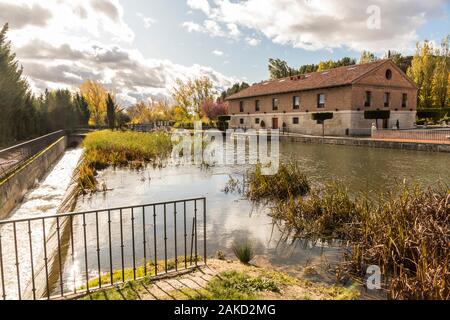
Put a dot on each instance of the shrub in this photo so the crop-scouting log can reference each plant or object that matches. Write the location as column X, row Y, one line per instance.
column 323, row 215
column 244, row 252
column 288, row 182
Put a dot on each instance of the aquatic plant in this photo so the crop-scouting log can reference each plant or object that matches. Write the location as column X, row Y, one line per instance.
column 288, row 182
column 107, row 148
column 406, row 232
column 243, row 251
column 325, row 215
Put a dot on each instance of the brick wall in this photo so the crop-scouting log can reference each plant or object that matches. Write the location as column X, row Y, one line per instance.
column 347, row 102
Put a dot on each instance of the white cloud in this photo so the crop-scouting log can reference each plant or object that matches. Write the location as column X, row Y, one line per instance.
column 213, row 28
column 218, row 53
column 200, row 5
column 329, row 24
column 252, row 41
column 148, row 22
column 77, row 41
column 192, row 26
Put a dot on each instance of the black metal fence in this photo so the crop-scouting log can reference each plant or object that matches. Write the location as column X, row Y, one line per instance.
column 75, row 253
column 13, row 157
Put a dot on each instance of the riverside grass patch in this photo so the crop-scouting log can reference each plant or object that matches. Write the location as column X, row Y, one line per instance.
column 107, row 148
column 405, row 231
column 234, row 285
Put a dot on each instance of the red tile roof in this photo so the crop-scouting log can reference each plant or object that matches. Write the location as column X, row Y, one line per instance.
column 330, row 78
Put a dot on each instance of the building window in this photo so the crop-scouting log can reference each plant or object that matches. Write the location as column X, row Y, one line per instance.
column 257, row 106
column 275, row 104
column 387, row 99
column 368, row 101
column 389, row 74
column 257, row 121
column 296, row 102
column 241, row 121
column 241, row 106
column 404, row 100
column 295, row 120
column 321, row 100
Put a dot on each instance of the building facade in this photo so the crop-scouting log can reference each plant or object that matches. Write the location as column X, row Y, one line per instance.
column 346, row 92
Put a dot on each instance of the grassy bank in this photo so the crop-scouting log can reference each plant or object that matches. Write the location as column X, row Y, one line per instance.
column 405, row 231
column 148, row 270
column 107, row 148
column 227, row 280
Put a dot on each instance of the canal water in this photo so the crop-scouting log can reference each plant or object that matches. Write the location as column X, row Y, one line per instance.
column 44, row 200
column 229, row 217
column 233, row 219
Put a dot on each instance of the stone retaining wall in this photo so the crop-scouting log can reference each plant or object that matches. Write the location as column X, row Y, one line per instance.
column 14, row 188
column 417, row 146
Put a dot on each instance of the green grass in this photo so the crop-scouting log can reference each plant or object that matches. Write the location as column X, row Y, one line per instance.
column 128, row 273
column 233, row 285
column 107, row 148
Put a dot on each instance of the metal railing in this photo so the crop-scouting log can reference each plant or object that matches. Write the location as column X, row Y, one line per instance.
column 431, row 135
column 13, row 157
column 150, row 126
column 77, row 253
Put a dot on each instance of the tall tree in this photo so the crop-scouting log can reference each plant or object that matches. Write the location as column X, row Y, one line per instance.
column 83, row 109
column 237, row 87
column 279, row 69
column 13, row 91
column 366, row 57
column 421, row 72
column 440, row 75
column 191, row 94
column 95, row 95
column 110, row 112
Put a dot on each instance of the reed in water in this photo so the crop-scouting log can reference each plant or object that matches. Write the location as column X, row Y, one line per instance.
column 107, row 148
column 404, row 231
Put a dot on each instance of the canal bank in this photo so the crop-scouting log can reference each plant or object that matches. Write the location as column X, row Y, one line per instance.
column 14, row 188
column 368, row 143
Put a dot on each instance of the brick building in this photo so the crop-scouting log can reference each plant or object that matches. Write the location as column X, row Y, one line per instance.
column 347, row 92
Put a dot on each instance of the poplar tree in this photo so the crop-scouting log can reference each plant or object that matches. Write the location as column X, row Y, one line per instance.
column 422, row 73
column 440, row 76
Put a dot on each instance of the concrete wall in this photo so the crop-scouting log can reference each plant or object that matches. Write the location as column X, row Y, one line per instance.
column 338, row 126
column 429, row 147
column 15, row 187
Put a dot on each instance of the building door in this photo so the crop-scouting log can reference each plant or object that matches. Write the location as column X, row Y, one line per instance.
column 385, row 123
column 275, row 125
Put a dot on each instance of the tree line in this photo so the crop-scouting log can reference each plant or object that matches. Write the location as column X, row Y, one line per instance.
column 24, row 115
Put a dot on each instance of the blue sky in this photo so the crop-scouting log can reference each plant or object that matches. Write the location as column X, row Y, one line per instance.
column 166, row 39
column 139, row 48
